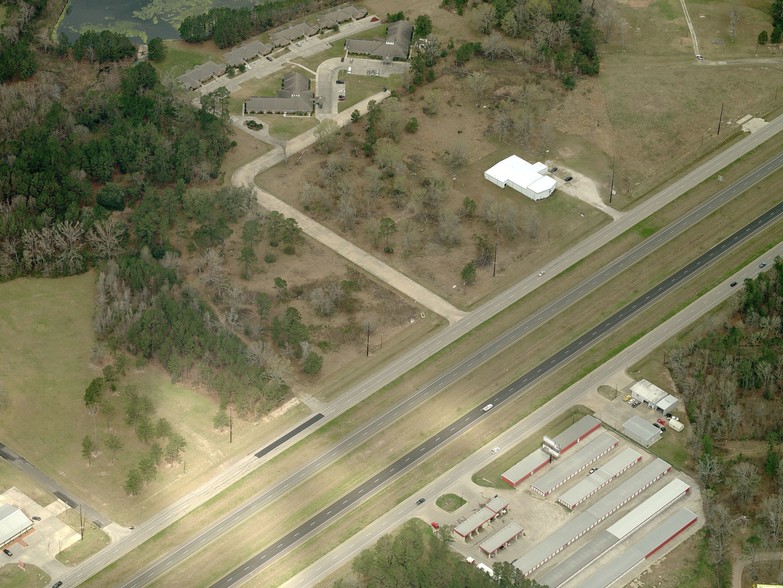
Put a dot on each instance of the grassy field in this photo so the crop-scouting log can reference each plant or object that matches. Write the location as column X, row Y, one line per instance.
column 11, row 576
column 450, row 502
column 391, row 443
column 182, row 56
column 49, row 323
column 357, row 88
column 94, row 540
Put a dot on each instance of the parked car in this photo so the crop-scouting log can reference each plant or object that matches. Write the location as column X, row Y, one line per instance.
column 8, row 552
column 420, row 501
column 487, row 408
column 552, row 170
column 661, row 427
column 36, row 518
column 627, row 398
column 270, row 58
column 662, row 422
column 435, row 525
column 568, row 178
column 763, row 264
column 340, row 81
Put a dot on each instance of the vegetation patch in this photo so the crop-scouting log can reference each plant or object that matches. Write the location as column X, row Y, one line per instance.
column 11, row 576
column 450, row 502
column 94, row 539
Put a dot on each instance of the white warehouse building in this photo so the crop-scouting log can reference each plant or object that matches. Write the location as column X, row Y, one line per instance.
column 524, row 177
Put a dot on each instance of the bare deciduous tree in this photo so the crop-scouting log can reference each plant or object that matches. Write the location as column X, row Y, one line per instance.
column 478, row 83
column 745, row 481
column 105, row 237
column 484, row 18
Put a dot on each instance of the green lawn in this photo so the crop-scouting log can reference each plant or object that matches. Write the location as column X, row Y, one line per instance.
column 181, row 56
column 287, row 127
column 46, row 365
column 450, row 502
column 358, row 88
column 11, row 576
column 94, row 540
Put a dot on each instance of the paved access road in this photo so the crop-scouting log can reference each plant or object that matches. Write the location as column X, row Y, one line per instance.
column 575, row 394
column 360, row 493
column 440, row 340
column 459, row 371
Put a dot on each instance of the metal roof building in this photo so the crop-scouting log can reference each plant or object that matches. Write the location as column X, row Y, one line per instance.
column 600, row 478
column 653, row 396
column 606, row 540
column 584, row 521
column 641, row 431
column 566, row 470
column 576, row 432
column 639, row 551
column 473, row 524
column 519, row 472
column 528, row 178
column 13, row 523
column 501, row 539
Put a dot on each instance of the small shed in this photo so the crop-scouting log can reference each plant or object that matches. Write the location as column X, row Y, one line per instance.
column 641, row 431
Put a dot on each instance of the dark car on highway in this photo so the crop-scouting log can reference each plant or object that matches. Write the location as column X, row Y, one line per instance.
column 420, row 501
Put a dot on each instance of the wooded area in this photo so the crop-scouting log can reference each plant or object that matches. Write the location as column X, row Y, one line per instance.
column 229, row 26
column 731, row 381
column 416, row 556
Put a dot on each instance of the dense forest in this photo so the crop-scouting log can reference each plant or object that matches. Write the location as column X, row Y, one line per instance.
column 415, row 556
column 100, row 166
column 229, row 26
column 731, row 381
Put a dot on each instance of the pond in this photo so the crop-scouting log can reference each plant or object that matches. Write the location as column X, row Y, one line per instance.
column 139, row 19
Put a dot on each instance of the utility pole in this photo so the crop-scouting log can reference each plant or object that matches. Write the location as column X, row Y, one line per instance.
column 720, row 118
column 495, row 259
column 368, row 339
column 230, row 426
column 81, row 521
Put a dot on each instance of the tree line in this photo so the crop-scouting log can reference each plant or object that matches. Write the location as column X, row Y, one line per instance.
column 230, row 26
column 731, row 381
column 416, row 556
column 562, row 33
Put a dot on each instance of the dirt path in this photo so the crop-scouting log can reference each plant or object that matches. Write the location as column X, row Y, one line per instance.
column 739, row 566
column 245, row 176
column 584, row 189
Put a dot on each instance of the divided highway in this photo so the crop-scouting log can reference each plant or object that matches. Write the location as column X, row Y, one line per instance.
column 482, row 355
column 404, row 463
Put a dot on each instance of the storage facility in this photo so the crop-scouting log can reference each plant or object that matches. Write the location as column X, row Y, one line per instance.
column 501, row 539
column 473, row 524
column 562, row 472
column 524, row 177
column 606, row 540
column 584, row 521
column 641, row 550
column 556, row 446
column 641, row 431
column 600, row 478
column 561, row 443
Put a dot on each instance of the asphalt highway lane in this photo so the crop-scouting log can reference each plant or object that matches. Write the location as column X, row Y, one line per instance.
column 404, row 463
column 458, row 371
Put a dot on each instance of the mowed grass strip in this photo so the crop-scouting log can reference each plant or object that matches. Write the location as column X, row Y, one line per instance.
column 427, row 422
column 599, row 303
